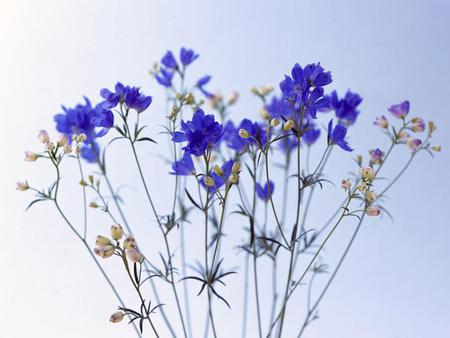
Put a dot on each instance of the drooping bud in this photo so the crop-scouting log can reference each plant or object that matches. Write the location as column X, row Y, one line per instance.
column 368, row 173
column 264, row 113
column 373, row 210
column 381, row 122
column 93, row 205
column 414, row 144
column 31, row 156
column 209, row 181
column 274, row 122
column 234, row 96
column 22, row 186
column 236, row 168
column 67, row 149
column 218, row 170
column 43, row 136
column 288, row 125
column 362, row 186
column 234, row 178
column 102, row 240
column 134, row 255
column 346, row 184
column 49, row 146
column 129, row 242
column 418, row 124
column 91, row 179
column 244, row 133
column 62, row 140
column 104, row 251
column 431, row 127
column 436, row 148
column 116, row 232
column 116, row 317
column 371, row 196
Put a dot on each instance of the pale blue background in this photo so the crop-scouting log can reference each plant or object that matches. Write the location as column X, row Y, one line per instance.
column 396, row 284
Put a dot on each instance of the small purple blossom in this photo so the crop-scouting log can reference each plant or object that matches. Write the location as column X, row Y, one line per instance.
column 414, row 144
column 346, row 107
column 337, row 135
column 376, row 155
column 280, row 107
column 187, row 56
column 381, row 122
column 266, row 191
column 165, row 77
column 311, row 135
column 184, row 167
column 400, row 110
column 168, row 60
column 203, row 81
column 201, row 133
column 130, row 96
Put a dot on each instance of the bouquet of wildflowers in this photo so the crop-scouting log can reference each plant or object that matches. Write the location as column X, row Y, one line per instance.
column 252, row 177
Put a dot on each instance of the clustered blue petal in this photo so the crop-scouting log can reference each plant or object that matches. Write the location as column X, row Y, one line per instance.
column 184, row 167
column 257, row 132
column 346, row 107
column 304, row 88
column 337, row 135
column 266, row 191
column 280, row 107
column 187, row 56
column 168, row 60
column 130, row 96
column 219, row 180
column 85, row 119
column 200, row 133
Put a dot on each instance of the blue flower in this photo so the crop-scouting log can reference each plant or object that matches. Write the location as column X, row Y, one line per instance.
column 168, row 60
column 184, row 167
column 200, row 133
column 311, row 135
column 219, row 180
column 187, row 56
column 90, row 152
column 94, row 122
column 165, row 77
column 345, row 108
column 266, row 191
column 337, row 135
column 400, row 110
column 280, row 107
column 203, row 82
column 236, row 142
column 131, row 96
column 316, row 76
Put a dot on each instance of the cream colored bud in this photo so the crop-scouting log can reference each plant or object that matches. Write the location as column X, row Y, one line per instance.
column 82, row 183
column 362, row 186
column 134, row 255
column 368, row 173
column 346, row 184
column 234, row 96
column 371, row 196
column 67, row 149
column 116, row 317
column 255, row 90
column 22, row 186
column 77, row 150
column 234, row 178
column 436, row 148
column 236, row 168
column 431, row 127
column 81, row 138
column 91, row 179
column 218, row 170
column 209, row 181
column 244, row 133
column 31, row 156
column 288, row 125
column 116, row 232
column 43, row 136
column 373, row 210
column 62, row 140
column 264, row 113
column 266, row 90
column 104, row 251
column 403, row 135
column 49, row 146
column 102, row 240
column 93, row 205
column 189, row 98
column 275, row 122
column 129, row 242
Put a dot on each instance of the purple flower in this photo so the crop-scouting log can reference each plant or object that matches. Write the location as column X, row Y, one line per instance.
column 165, row 77
column 280, row 107
column 266, row 191
column 131, row 96
column 400, row 110
column 376, row 155
column 187, row 56
column 414, row 144
column 311, row 135
column 203, row 82
column 346, row 107
column 337, row 135
column 168, row 60
column 316, row 76
column 200, row 133
column 184, row 167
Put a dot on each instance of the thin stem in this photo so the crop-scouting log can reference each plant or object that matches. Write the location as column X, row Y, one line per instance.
column 84, row 197
column 245, row 305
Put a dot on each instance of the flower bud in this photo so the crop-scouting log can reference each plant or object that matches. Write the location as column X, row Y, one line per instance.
column 371, row 196
column 91, row 179
column 49, row 146
column 234, row 178
column 189, row 98
column 381, row 122
column 93, row 205
column 67, row 149
column 274, row 122
column 116, row 232
column 31, row 156
column 81, row 138
column 362, row 186
column 431, row 127
column 418, row 124
column 102, row 240
column 116, row 317
column 254, row 90
column 346, row 184
column 104, row 251
column 236, row 168
column 62, row 140
column 129, row 242
column 209, row 181
column 266, row 90
column 414, row 144
column 436, row 148
column 264, row 113
column 376, row 155
column 43, row 136
column 368, row 173
column 77, row 150
column 288, row 125
column 134, row 255
column 403, row 135
column 234, row 96
column 244, row 133
column 218, row 170
column 22, row 186
column 373, row 210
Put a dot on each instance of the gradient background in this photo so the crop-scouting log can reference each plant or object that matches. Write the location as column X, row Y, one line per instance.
column 396, row 282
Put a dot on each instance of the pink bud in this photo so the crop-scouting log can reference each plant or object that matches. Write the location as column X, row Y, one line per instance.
column 134, row 255
column 116, row 317
column 414, row 144
column 43, row 136
column 381, row 122
column 31, row 156
column 373, row 210
column 22, row 186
